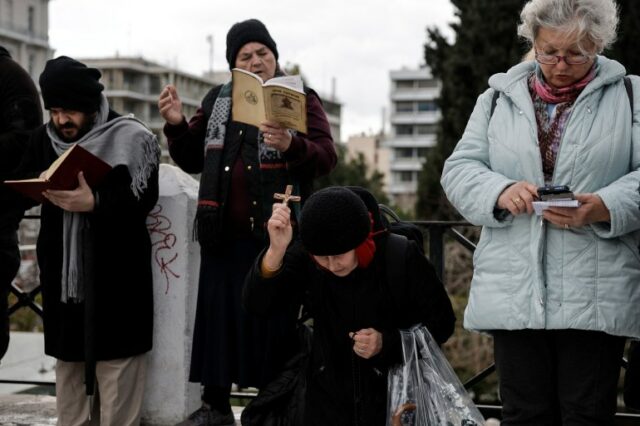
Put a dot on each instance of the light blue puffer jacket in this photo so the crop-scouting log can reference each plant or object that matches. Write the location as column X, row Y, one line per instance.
column 530, row 274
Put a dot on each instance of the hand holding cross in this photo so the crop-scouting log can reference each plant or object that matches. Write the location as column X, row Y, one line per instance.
column 286, row 197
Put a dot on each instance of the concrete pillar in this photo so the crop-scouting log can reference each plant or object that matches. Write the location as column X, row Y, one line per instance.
column 169, row 397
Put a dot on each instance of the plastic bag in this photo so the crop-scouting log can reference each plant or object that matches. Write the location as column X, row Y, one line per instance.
column 424, row 390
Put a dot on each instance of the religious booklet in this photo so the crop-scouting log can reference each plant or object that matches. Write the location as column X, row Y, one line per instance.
column 63, row 173
column 281, row 99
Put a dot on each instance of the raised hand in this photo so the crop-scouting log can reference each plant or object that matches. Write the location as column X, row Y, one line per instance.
column 170, row 105
column 280, row 234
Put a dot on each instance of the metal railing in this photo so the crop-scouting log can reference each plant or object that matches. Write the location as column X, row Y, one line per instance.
column 435, row 232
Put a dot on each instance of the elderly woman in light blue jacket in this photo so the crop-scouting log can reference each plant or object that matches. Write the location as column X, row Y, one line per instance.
column 561, row 291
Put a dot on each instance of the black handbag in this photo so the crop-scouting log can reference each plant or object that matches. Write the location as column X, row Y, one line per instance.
column 281, row 402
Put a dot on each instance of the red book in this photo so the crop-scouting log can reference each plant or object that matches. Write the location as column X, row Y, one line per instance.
column 63, row 174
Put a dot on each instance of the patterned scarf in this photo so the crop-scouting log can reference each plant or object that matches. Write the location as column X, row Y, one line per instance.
column 208, row 222
column 551, row 128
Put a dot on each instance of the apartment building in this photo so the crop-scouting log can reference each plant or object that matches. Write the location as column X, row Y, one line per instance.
column 376, row 155
column 24, row 32
column 413, row 119
column 133, row 85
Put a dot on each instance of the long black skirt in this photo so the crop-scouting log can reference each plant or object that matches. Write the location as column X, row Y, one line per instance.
column 230, row 345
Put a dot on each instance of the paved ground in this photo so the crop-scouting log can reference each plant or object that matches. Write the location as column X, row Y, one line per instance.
column 39, row 410
column 23, row 410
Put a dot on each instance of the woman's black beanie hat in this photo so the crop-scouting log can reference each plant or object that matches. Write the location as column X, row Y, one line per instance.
column 333, row 221
column 245, row 32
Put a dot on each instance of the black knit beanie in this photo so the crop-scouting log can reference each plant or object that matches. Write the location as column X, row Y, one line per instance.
column 333, row 221
column 69, row 84
column 245, row 32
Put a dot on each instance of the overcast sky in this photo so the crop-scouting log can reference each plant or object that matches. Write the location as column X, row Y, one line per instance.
column 358, row 42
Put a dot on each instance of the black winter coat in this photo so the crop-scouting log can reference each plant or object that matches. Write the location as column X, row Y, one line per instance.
column 20, row 113
column 122, row 318
column 342, row 388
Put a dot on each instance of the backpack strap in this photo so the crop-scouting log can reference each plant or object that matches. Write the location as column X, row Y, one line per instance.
column 396, row 248
column 629, row 87
column 494, row 102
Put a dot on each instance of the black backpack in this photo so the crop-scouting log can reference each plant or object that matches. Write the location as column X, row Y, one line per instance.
column 385, row 218
column 400, row 234
column 396, row 226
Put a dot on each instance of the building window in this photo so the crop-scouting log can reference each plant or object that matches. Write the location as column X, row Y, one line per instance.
column 31, row 65
column 406, row 176
column 422, row 152
column 31, row 17
column 426, row 129
column 424, row 106
column 155, row 85
column 404, row 130
column 132, row 81
column 129, row 107
column 403, row 153
column 108, row 76
column 404, row 106
column 427, row 83
column 404, row 84
column 9, row 13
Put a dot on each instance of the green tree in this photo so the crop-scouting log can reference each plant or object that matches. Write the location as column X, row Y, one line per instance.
column 486, row 42
column 354, row 172
column 625, row 50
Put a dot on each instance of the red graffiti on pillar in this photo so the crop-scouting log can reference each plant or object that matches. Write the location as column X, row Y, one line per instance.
column 159, row 227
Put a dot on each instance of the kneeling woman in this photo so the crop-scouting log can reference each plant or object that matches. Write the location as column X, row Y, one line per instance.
column 338, row 271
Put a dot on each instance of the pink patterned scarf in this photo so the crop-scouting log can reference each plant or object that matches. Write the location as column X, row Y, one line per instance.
column 550, row 129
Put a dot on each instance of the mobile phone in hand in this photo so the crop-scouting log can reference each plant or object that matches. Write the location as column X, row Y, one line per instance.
column 555, row 192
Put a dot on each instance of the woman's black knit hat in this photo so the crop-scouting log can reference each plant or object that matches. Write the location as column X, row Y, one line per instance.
column 69, row 84
column 245, row 32
column 333, row 221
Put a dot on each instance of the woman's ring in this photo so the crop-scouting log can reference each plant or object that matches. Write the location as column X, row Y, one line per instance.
column 516, row 201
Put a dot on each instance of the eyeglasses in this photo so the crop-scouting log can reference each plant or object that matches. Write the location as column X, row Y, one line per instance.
column 543, row 58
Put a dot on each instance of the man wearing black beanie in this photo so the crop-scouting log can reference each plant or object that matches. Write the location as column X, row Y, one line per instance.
column 338, row 269
column 20, row 113
column 243, row 166
column 94, row 250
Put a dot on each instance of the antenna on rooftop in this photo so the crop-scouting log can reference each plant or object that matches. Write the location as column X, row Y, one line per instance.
column 210, row 41
column 333, row 88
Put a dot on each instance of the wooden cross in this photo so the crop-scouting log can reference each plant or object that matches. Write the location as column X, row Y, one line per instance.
column 286, row 197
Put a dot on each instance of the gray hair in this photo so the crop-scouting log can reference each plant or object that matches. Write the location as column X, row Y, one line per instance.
column 595, row 21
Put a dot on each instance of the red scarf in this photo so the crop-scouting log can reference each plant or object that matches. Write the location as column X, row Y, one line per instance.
column 367, row 249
